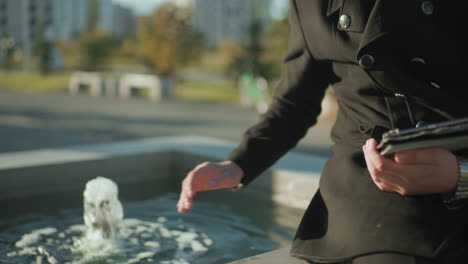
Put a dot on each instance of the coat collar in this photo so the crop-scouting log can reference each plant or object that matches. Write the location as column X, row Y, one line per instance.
column 333, row 6
column 376, row 27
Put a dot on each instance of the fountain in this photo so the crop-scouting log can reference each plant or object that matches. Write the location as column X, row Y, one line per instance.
column 108, row 237
column 102, row 208
column 42, row 218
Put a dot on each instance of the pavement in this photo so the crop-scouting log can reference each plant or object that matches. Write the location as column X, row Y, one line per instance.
column 31, row 121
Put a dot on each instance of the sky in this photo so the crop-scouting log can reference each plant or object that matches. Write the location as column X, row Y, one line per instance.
column 144, row 7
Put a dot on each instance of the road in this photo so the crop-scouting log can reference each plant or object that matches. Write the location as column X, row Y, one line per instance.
column 46, row 120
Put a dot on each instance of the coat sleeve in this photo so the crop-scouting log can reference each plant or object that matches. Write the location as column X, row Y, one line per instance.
column 295, row 106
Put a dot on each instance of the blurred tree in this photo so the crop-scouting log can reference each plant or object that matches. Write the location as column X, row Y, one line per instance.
column 246, row 59
column 93, row 15
column 90, row 51
column 96, row 47
column 93, row 48
column 275, row 44
column 7, row 52
column 166, row 40
column 71, row 53
column 42, row 51
column 262, row 52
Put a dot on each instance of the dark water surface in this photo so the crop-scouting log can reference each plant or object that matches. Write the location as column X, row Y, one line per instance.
column 222, row 227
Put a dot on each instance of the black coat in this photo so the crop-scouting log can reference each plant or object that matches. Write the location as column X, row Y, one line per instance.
column 392, row 63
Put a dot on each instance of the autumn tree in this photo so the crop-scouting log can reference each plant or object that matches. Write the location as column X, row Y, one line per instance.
column 166, row 40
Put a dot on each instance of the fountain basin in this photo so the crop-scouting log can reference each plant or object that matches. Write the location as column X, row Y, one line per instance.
column 46, row 181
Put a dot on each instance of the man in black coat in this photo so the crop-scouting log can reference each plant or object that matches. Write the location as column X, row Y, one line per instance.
column 392, row 64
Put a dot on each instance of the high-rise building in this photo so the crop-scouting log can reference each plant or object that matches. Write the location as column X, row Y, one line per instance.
column 219, row 20
column 25, row 20
column 105, row 15
column 124, row 21
column 71, row 18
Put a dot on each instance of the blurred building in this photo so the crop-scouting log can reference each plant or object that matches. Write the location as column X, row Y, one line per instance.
column 218, row 20
column 71, row 18
column 124, row 21
column 105, row 15
column 24, row 20
column 115, row 19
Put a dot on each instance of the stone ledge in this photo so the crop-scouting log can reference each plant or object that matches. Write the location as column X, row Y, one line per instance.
column 279, row 256
column 217, row 149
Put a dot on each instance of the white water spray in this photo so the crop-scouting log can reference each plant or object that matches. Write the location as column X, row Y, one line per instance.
column 106, row 237
column 102, row 215
column 102, row 208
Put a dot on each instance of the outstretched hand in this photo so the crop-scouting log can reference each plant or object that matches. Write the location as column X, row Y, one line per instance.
column 208, row 176
column 412, row 172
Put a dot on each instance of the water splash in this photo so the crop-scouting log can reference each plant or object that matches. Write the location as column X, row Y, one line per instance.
column 102, row 209
column 153, row 233
column 108, row 235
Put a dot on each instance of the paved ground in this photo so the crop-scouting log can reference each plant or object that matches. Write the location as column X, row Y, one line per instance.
column 33, row 121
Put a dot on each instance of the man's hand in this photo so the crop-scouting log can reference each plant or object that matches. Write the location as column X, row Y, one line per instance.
column 208, row 176
column 412, row 172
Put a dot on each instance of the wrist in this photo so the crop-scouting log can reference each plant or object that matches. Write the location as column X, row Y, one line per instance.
column 239, row 174
column 459, row 195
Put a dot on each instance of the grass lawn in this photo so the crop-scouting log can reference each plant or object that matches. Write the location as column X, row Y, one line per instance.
column 33, row 81
column 204, row 90
column 194, row 90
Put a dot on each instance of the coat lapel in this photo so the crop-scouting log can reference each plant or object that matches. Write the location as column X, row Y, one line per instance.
column 388, row 72
column 375, row 28
column 333, row 6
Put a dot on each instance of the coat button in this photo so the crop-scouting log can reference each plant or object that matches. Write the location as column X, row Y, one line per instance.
column 418, row 61
column 366, row 61
column 345, row 21
column 427, row 7
column 435, row 85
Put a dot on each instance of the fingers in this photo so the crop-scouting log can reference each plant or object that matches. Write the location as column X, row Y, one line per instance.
column 389, row 187
column 186, row 195
column 416, row 156
column 208, row 176
column 385, row 172
column 412, row 172
column 373, row 157
column 203, row 177
column 190, row 186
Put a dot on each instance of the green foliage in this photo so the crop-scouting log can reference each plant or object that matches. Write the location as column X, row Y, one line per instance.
column 275, row 43
column 262, row 52
column 96, row 47
column 166, row 40
column 42, row 52
column 91, row 51
column 93, row 48
column 247, row 58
